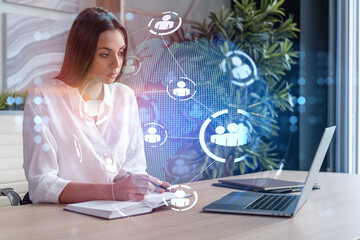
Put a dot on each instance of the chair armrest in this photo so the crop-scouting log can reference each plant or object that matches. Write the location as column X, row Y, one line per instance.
column 14, row 198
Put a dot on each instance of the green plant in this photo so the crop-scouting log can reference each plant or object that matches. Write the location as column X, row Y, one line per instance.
column 13, row 101
column 265, row 34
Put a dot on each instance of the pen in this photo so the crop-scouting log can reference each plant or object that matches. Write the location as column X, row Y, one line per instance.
column 162, row 187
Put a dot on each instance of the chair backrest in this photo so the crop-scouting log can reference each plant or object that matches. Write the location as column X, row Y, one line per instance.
column 11, row 155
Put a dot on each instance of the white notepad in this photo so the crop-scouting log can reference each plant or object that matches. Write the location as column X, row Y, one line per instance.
column 119, row 209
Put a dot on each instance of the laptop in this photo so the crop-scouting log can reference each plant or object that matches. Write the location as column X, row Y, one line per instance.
column 287, row 205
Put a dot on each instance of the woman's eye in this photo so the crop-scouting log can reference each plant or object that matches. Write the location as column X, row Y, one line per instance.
column 121, row 53
column 104, row 55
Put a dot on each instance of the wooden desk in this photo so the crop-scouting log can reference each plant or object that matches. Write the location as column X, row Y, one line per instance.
column 333, row 212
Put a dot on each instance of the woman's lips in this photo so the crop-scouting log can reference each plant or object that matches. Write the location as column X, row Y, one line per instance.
column 113, row 75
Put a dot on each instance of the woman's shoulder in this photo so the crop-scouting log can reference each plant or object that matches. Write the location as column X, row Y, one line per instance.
column 49, row 86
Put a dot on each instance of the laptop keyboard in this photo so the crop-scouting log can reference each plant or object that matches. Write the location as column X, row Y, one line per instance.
column 271, row 202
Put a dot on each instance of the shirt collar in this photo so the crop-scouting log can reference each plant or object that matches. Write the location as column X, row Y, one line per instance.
column 75, row 97
column 108, row 99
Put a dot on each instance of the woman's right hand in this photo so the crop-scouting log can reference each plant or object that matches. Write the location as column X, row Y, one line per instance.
column 134, row 187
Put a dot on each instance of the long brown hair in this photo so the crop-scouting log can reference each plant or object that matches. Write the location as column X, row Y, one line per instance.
column 82, row 41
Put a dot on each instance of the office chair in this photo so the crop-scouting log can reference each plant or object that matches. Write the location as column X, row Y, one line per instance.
column 14, row 198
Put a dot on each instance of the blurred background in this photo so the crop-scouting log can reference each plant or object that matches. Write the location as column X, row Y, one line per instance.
column 307, row 54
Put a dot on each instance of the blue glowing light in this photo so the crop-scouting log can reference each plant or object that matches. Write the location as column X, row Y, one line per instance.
column 293, row 119
column 46, row 147
column 301, row 100
column 320, row 81
column 18, row 100
column 46, row 119
column 37, row 139
column 10, row 100
column 37, row 128
column 293, row 128
column 38, row 100
column 129, row 16
column 302, row 109
column 37, row 120
column 301, row 81
column 312, row 120
column 329, row 80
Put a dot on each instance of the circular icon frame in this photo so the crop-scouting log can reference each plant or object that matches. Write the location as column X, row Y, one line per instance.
column 166, row 135
column 182, row 209
column 202, row 135
column 185, row 99
column 166, row 33
column 255, row 73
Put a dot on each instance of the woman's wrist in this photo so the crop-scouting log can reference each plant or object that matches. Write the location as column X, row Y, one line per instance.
column 82, row 192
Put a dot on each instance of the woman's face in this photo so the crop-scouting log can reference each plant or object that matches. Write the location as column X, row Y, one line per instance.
column 108, row 58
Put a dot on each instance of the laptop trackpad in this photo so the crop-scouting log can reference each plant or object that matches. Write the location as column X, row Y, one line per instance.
column 238, row 199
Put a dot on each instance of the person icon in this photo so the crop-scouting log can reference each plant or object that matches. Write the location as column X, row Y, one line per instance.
column 179, row 200
column 128, row 68
column 152, row 137
column 232, row 136
column 109, row 166
column 181, row 90
column 165, row 24
column 237, row 135
column 241, row 71
column 243, row 134
column 219, row 138
column 180, row 169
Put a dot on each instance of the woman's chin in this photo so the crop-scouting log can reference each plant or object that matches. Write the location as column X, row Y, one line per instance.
column 106, row 80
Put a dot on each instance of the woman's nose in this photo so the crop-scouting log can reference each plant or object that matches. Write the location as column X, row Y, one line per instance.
column 116, row 62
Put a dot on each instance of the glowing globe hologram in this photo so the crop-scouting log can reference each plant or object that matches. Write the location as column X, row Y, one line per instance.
column 155, row 134
column 243, row 68
column 238, row 135
column 166, row 25
column 181, row 202
column 131, row 67
column 182, row 90
column 239, row 88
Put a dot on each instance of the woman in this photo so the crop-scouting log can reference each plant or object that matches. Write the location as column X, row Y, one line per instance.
column 82, row 135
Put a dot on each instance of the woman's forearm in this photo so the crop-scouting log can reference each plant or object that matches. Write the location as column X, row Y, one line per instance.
column 81, row 192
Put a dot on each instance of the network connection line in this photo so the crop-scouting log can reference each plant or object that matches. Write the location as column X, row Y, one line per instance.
column 174, row 57
column 185, row 138
column 203, row 105
column 200, row 173
column 142, row 44
column 138, row 31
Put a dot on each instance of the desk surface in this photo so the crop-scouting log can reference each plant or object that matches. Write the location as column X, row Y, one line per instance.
column 333, row 212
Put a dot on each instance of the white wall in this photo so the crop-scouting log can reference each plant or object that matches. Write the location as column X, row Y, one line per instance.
column 6, row 7
column 199, row 11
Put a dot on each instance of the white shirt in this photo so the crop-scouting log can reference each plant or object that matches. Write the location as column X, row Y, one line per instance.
column 62, row 143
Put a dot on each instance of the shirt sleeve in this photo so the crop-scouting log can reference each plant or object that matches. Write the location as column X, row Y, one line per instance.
column 135, row 157
column 40, row 151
